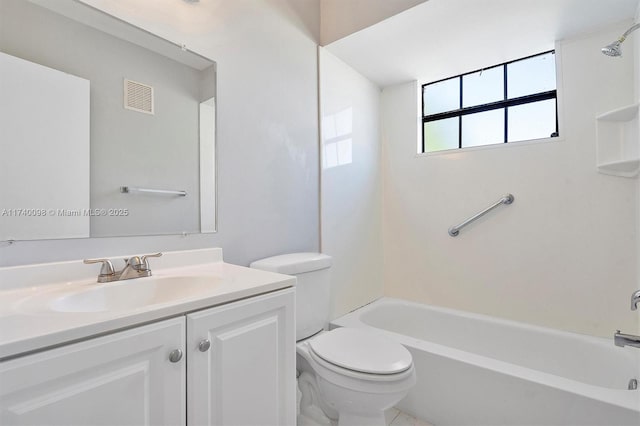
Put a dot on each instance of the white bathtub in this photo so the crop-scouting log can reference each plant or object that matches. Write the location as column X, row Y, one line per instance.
column 478, row 370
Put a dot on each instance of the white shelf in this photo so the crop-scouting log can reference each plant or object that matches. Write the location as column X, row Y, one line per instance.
column 624, row 168
column 623, row 114
column 618, row 148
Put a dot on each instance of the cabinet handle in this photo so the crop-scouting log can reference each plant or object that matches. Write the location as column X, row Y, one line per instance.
column 204, row 345
column 175, row 355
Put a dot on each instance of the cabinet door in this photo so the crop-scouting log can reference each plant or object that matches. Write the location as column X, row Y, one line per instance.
column 124, row 378
column 247, row 375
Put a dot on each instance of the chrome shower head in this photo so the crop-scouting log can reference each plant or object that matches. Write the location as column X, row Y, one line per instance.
column 614, row 49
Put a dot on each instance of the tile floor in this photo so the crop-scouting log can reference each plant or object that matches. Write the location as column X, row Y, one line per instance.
column 393, row 417
column 396, row 417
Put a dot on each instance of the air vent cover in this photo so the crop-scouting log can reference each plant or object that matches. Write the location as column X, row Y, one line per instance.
column 138, row 96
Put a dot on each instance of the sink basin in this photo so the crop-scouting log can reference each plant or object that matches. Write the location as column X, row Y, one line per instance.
column 127, row 294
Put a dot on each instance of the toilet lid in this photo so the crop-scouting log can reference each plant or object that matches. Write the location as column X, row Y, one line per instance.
column 361, row 350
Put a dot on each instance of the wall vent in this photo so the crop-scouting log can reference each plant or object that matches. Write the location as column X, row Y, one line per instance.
column 138, row 96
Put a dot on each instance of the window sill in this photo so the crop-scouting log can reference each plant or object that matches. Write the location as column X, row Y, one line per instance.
column 493, row 146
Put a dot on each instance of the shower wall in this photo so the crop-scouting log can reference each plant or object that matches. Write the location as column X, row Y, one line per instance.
column 564, row 254
column 351, row 188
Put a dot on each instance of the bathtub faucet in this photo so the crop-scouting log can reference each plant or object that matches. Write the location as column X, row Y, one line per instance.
column 621, row 339
column 635, row 299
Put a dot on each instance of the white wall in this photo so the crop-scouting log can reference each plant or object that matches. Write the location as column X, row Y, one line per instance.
column 339, row 18
column 351, row 184
column 635, row 40
column 267, row 144
column 563, row 255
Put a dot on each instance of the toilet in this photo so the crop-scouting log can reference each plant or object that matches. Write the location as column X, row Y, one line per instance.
column 350, row 375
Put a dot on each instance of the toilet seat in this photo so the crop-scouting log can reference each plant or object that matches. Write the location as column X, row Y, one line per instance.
column 345, row 375
column 349, row 350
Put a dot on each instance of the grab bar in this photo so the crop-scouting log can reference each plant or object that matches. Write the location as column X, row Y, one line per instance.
column 131, row 189
column 455, row 230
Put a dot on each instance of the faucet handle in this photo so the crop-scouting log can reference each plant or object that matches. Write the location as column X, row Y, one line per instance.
column 143, row 261
column 144, row 257
column 107, row 267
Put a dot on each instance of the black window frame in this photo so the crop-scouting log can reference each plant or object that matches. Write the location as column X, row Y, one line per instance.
column 501, row 104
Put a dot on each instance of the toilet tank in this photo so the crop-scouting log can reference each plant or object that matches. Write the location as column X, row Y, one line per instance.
column 312, row 287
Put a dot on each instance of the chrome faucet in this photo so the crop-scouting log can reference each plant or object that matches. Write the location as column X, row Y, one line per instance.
column 622, row 340
column 135, row 267
column 635, row 299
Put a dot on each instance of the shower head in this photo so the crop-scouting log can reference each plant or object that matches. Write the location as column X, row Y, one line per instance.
column 614, row 49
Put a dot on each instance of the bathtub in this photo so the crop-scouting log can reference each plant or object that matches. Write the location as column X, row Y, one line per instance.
column 478, row 370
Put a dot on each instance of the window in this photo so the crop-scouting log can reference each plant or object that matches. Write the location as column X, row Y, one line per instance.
column 511, row 102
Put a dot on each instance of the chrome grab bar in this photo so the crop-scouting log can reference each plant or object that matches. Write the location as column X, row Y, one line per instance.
column 455, row 230
column 131, row 189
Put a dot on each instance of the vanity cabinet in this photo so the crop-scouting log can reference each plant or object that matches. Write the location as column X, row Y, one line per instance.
column 241, row 363
column 236, row 366
column 123, row 378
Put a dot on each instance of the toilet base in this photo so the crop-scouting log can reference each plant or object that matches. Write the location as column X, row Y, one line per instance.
column 311, row 413
column 310, row 406
column 352, row 398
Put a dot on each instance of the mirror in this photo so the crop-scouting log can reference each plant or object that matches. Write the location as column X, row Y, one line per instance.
column 105, row 129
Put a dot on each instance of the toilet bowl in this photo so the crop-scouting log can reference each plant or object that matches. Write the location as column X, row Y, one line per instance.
column 347, row 374
column 354, row 385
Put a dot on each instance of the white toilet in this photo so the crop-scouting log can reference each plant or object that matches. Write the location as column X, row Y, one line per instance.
column 352, row 375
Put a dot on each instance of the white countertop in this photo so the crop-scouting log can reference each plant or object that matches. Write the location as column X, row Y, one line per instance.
column 26, row 327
